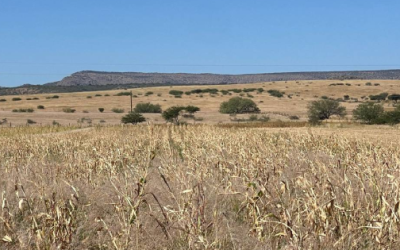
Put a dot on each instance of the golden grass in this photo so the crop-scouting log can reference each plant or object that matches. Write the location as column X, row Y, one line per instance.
column 199, row 187
column 302, row 91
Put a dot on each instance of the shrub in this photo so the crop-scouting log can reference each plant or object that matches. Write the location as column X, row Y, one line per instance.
column 101, row 110
column 368, row 112
column 40, row 107
column 324, row 97
column 107, row 95
column 390, row 117
column 85, row 111
column 125, row 93
column 294, row 117
column 97, row 95
column 68, row 110
column 15, row 99
column 148, row 93
column 346, row 97
column 148, row 108
column 275, row 93
column 176, row 92
column 238, row 105
column 55, row 123
column 394, row 97
column 28, row 110
column 380, row 97
column 117, row 110
column 28, row 99
column 235, row 90
column 3, row 100
column 133, row 118
column 29, row 121
column 264, row 118
column 323, row 109
column 84, row 119
column 368, row 84
column 35, row 98
column 253, row 118
column 89, row 96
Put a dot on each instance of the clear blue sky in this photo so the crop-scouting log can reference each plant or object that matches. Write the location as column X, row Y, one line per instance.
column 44, row 40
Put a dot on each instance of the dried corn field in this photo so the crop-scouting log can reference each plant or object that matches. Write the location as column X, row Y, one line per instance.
column 196, row 187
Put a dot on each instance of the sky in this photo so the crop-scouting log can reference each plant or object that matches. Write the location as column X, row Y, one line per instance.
column 43, row 41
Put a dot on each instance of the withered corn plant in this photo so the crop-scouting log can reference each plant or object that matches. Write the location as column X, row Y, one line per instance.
column 196, row 187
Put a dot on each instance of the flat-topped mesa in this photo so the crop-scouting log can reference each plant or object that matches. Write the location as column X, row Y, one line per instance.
column 86, row 78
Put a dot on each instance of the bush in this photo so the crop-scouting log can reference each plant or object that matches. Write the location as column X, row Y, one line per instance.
column 125, row 93
column 324, row 97
column 117, row 110
column 133, row 118
column 35, row 98
column 101, row 110
column 3, row 100
column 276, row 93
column 253, row 118
column 294, row 117
column 323, row 109
column 176, row 92
column 238, row 105
column 264, row 118
column 380, row 97
column 368, row 112
column 148, row 93
column 89, row 97
column 16, row 99
column 55, row 123
column 394, row 97
column 40, row 107
column 68, row 110
column 29, row 110
column 390, row 117
column 29, row 121
column 148, row 108
column 97, row 95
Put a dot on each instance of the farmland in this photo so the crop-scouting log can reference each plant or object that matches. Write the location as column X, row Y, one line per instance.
column 199, row 186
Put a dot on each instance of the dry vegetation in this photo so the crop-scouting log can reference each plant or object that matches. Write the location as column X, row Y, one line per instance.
column 198, row 187
column 302, row 92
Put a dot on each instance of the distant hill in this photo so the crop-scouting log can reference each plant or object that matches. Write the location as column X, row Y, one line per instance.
column 85, row 78
column 97, row 80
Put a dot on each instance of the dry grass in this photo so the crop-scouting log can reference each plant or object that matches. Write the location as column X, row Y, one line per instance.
column 198, row 187
column 302, row 92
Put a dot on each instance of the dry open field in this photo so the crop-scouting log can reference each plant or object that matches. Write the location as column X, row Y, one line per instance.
column 199, row 187
column 277, row 108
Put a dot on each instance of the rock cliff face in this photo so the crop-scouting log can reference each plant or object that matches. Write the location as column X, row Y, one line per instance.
column 86, row 78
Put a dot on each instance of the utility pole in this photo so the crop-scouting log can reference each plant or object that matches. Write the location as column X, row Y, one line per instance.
column 131, row 101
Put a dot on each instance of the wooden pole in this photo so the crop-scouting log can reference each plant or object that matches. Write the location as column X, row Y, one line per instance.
column 131, row 102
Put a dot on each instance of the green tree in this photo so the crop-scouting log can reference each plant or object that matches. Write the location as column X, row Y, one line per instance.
column 133, row 117
column 323, row 109
column 172, row 114
column 238, row 105
column 368, row 112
